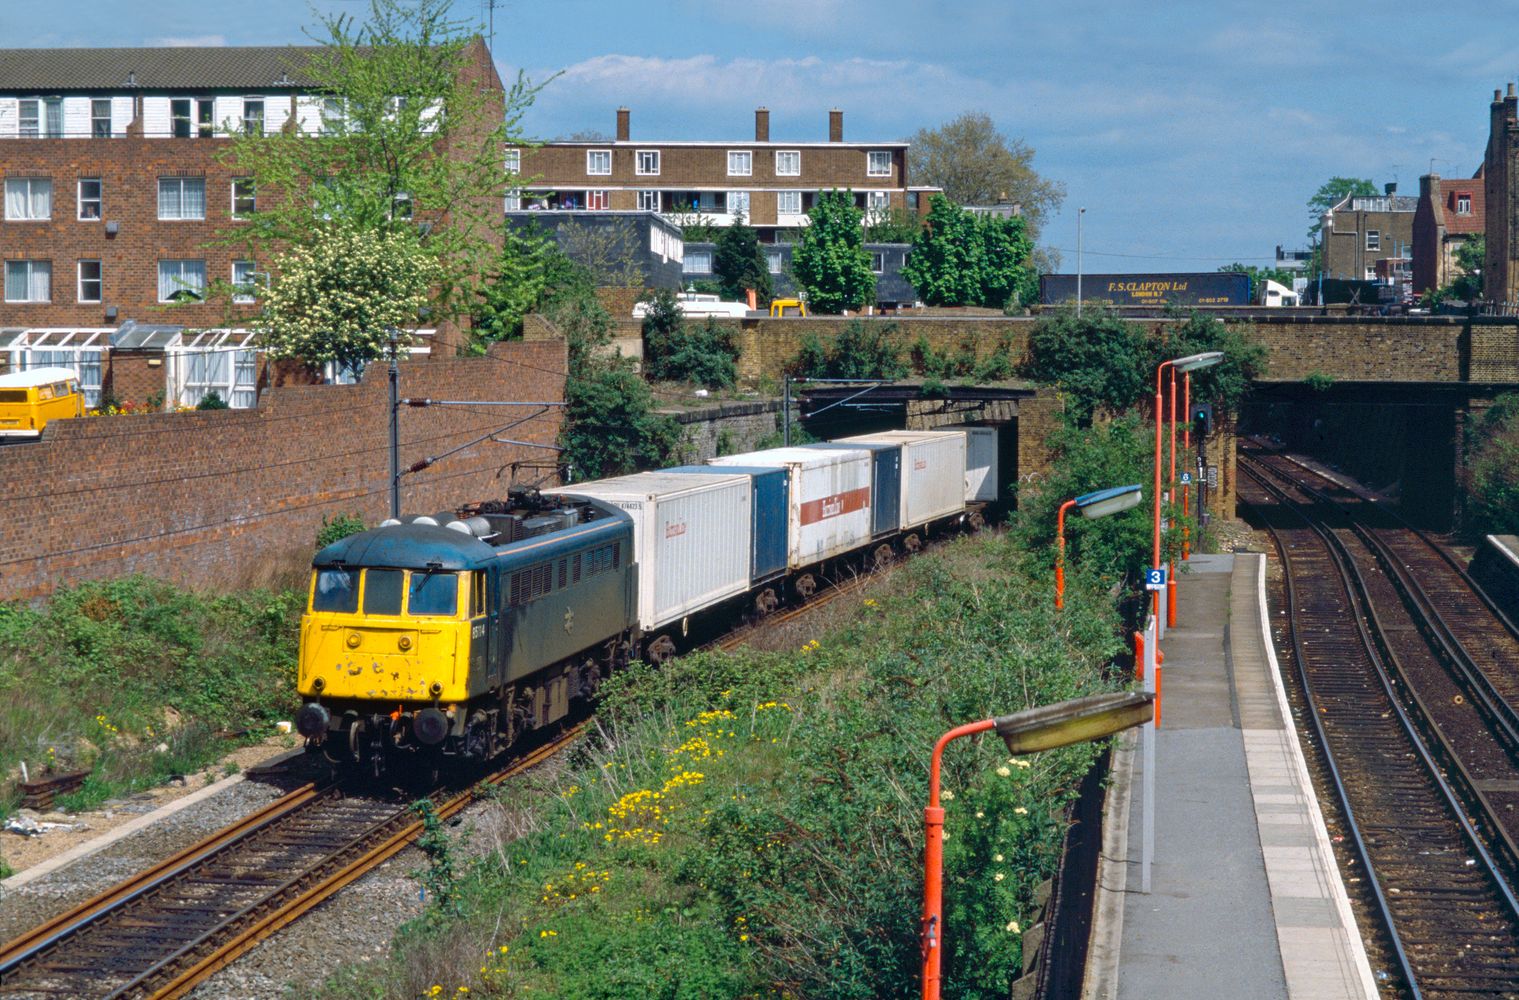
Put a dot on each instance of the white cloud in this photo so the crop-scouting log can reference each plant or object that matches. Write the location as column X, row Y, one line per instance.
column 189, row 41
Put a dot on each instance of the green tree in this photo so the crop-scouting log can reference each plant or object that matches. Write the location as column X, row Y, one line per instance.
column 1008, row 276
column 831, row 262
column 1330, row 194
column 946, row 260
column 530, row 270
column 337, row 294
column 740, row 264
column 1099, row 360
column 976, row 164
column 1227, row 382
column 410, row 144
column 1467, row 285
column 611, row 427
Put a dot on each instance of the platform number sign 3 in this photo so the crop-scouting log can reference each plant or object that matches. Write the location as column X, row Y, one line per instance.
column 1155, row 579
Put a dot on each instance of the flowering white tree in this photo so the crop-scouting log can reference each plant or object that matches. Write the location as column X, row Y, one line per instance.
column 336, row 296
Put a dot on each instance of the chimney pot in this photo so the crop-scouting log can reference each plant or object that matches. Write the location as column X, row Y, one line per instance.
column 623, row 114
column 835, row 125
column 762, row 124
column 1510, row 90
column 1497, row 95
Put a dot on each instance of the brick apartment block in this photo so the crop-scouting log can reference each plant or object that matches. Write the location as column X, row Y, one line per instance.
column 114, row 198
column 771, row 184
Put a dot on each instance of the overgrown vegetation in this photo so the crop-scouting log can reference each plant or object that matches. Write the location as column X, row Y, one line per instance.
column 674, row 351
column 1492, row 476
column 749, row 824
column 530, row 270
column 861, row 350
column 137, row 679
column 336, row 528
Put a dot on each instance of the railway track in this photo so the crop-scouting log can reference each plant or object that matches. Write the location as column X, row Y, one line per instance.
column 169, row 928
column 1419, row 762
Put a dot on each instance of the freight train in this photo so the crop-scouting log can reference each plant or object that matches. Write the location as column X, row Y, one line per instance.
column 448, row 637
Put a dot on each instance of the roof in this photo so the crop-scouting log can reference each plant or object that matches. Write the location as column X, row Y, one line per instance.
column 135, row 336
column 253, row 67
column 717, row 144
column 36, row 376
column 407, row 545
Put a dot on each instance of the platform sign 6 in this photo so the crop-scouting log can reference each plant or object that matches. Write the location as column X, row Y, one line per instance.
column 1186, row 479
column 1155, row 579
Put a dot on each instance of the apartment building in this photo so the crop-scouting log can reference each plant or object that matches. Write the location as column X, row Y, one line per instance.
column 771, row 184
column 1360, row 230
column 1450, row 213
column 117, row 206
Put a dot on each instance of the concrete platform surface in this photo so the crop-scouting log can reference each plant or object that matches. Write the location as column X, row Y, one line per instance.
column 1246, row 901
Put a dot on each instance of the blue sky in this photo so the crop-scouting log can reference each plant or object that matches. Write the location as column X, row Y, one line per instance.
column 1193, row 133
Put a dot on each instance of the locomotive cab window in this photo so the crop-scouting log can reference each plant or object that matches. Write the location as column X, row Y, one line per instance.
column 477, row 602
column 382, row 591
column 335, row 590
column 433, row 594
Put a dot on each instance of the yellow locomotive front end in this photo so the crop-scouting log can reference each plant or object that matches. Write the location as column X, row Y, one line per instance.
column 385, row 656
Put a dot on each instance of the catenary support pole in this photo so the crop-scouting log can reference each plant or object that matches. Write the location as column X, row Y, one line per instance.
column 395, row 428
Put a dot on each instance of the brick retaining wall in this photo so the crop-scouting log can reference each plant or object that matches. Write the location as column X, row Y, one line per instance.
column 228, row 498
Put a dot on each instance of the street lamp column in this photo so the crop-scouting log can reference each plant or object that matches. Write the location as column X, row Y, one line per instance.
column 1100, row 503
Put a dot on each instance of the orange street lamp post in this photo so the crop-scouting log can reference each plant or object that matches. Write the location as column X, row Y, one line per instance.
column 1044, row 728
column 1098, row 504
column 1191, row 362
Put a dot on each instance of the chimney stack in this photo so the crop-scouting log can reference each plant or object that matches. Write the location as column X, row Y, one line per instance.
column 835, row 125
column 761, row 124
column 1510, row 90
column 1389, row 189
column 622, row 124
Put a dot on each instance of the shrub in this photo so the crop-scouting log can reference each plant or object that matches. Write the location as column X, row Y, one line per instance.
column 337, row 528
column 674, row 351
column 1492, row 476
column 1100, row 361
column 212, row 401
column 861, row 350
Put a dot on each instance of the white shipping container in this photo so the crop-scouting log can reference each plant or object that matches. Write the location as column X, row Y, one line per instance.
column 981, row 473
column 690, row 538
column 830, row 499
column 933, row 472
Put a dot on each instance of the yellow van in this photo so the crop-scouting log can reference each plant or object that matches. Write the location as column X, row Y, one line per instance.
column 788, row 307
column 29, row 399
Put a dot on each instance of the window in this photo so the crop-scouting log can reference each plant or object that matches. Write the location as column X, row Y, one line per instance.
column 514, row 202
column 181, row 198
column 877, row 203
column 697, row 262
column 244, row 198
column 648, row 162
column 776, row 261
column 332, row 115
column 335, row 590
column 433, row 594
column 788, row 163
column 740, row 163
column 89, row 198
column 100, row 118
column 598, row 162
column 648, row 201
column 878, row 163
column 878, row 262
column 738, row 203
column 788, row 202
column 382, row 591
column 190, row 117
column 41, row 118
column 28, row 281
column 400, row 206
column 596, row 201
column 89, row 281
column 1373, row 239
column 253, row 116
column 243, row 288
column 28, row 198
column 181, row 280
column 514, row 161
column 1463, row 204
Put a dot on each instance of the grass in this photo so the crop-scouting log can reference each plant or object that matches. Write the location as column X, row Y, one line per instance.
column 750, row 823
column 137, row 680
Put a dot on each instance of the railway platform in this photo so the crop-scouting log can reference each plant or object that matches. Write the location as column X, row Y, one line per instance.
column 1245, row 899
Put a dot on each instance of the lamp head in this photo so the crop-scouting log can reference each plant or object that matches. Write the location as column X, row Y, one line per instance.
column 1110, row 501
column 1076, row 721
column 1193, row 362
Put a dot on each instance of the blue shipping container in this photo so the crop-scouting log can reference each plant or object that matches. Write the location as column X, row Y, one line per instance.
column 885, row 483
column 772, row 495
